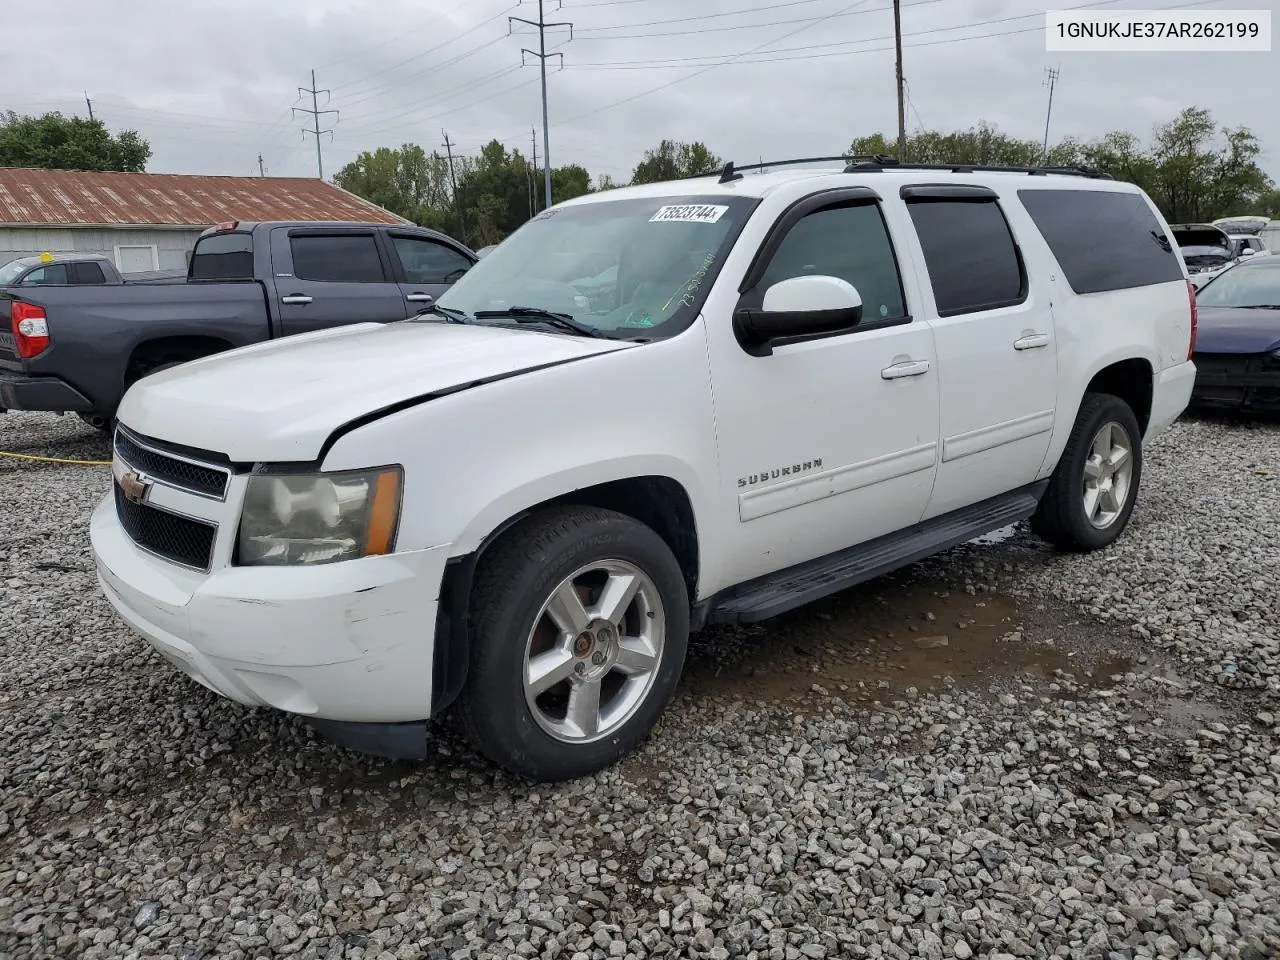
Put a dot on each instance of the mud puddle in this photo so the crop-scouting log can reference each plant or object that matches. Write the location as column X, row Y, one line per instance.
column 875, row 642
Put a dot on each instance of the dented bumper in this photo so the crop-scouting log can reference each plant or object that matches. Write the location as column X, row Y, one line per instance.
column 349, row 641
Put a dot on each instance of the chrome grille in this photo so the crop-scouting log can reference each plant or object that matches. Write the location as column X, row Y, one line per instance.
column 207, row 481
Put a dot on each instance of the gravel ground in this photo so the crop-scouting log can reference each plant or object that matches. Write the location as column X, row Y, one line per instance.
column 1002, row 752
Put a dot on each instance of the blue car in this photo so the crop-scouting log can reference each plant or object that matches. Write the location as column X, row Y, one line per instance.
column 1237, row 352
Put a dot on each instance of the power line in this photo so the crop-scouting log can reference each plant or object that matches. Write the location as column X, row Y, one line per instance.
column 542, row 56
column 315, row 112
column 684, row 62
column 706, row 69
column 701, row 16
column 383, row 127
column 374, row 93
column 425, row 53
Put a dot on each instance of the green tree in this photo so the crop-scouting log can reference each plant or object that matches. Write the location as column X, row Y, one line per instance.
column 56, row 142
column 1192, row 170
column 405, row 180
column 671, row 160
column 569, row 182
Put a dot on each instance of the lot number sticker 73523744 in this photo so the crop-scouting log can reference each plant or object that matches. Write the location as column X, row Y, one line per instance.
column 689, row 213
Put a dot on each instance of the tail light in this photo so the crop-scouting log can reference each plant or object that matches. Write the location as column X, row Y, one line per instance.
column 30, row 328
column 1195, row 319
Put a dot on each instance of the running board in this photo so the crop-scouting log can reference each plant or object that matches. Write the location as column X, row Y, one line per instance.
column 796, row 586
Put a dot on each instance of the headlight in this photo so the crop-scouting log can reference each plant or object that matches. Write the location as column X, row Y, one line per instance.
column 292, row 519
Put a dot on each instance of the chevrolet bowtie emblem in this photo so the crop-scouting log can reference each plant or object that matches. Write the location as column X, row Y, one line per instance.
column 134, row 486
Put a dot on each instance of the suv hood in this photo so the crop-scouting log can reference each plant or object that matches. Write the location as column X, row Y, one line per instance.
column 280, row 400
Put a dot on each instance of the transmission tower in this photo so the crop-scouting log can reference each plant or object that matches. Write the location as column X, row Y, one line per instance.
column 541, row 53
column 315, row 113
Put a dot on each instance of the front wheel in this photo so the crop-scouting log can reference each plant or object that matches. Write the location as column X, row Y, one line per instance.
column 1092, row 491
column 579, row 626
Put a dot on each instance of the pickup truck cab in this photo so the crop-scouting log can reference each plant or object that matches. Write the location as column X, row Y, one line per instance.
column 76, row 348
column 518, row 505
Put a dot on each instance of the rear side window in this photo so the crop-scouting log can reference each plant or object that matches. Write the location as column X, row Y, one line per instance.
column 87, row 272
column 223, row 256
column 340, row 259
column 1103, row 240
column 970, row 253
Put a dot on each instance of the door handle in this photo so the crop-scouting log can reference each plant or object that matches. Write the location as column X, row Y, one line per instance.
column 296, row 298
column 1031, row 341
column 908, row 368
column 419, row 297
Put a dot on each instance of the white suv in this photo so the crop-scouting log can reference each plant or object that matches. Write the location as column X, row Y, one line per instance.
column 519, row 504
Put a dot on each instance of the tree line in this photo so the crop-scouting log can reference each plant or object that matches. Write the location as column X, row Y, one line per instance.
column 1193, row 169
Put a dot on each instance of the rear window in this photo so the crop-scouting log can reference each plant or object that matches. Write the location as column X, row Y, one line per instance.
column 223, row 256
column 1103, row 240
column 87, row 272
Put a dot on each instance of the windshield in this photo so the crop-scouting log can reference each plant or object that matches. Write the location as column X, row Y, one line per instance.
column 626, row 268
column 1243, row 286
column 12, row 270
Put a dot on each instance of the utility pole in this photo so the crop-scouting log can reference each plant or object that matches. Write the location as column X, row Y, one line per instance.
column 315, row 112
column 902, row 113
column 533, row 186
column 89, row 104
column 261, row 170
column 542, row 55
column 1050, row 81
column 457, row 198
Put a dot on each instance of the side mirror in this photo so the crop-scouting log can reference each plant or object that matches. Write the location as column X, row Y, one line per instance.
column 799, row 307
column 1248, row 252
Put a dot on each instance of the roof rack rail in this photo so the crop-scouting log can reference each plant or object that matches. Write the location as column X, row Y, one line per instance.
column 872, row 163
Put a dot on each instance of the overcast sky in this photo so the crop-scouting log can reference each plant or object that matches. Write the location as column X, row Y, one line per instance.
column 210, row 84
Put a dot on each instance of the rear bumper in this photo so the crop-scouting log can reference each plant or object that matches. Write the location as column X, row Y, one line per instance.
column 1170, row 397
column 21, row 392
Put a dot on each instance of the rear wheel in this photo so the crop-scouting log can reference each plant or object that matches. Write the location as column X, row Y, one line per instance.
column 1092, row 491
column 578, row 634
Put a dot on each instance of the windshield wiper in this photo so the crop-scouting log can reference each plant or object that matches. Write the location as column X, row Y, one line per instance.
column 450, row 314
column 563, row 321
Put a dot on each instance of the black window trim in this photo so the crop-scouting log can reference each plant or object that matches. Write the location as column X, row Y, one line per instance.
column 966, row 193
column 388, row 271
column 397, row 267
column 750, row 294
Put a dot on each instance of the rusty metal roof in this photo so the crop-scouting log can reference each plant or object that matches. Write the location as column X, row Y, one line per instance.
column 34, row 197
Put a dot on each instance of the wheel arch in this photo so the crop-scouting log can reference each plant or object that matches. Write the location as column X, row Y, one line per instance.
column 656, row 500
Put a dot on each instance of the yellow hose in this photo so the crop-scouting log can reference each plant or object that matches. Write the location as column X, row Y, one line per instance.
column 82, row 463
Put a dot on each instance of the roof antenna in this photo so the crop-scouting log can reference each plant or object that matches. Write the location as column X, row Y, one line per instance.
column 728, row 174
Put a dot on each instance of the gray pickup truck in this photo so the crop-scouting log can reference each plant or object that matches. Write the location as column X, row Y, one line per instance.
column 62, row 269
column 77, row 348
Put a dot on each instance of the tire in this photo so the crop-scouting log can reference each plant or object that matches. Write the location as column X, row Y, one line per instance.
column 1063, row 517
column 533, row 734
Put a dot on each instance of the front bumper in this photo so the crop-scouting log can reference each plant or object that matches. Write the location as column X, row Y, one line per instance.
column 1238, row 382
column 21, row 392
column 350, row 641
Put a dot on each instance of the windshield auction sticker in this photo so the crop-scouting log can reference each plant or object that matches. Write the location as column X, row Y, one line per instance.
column 689, row 213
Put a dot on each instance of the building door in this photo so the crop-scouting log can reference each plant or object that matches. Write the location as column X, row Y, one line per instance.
column 136, row 258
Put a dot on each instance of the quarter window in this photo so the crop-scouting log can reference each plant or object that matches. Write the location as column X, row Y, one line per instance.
column 1103, row 239
column 970, row 254
column 850, row 242
column 337, row 259
column 426, row 261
